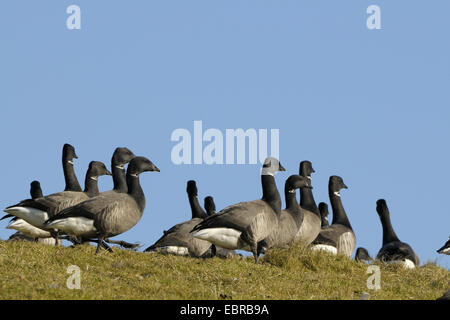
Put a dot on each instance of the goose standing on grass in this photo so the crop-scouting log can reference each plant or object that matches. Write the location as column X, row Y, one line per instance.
column 107, row 215
column 292, row 217
column 338, row 238
column 312, row 220
column 37, row 211
column 244, row 225
column 445, row 249
column 393, row 250
column 362, row 255
column 178, row 239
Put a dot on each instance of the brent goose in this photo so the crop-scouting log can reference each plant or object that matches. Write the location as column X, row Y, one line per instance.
column 37, row 211
column 244, row 225
column 393, row 250
column 107, row 215
column 337, row 238
column 178, row 239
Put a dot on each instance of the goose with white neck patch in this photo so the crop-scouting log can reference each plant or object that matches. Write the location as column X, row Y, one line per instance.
column 337, row 238
column 393, row 250
column 107, row 215
column 312, row 221
column 244, row 225
column 178, row 240
column 37, row 211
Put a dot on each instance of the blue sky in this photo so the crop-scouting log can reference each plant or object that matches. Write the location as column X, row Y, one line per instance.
column 369, row 105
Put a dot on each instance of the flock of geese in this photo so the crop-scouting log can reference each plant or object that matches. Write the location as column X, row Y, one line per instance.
column 256, row 226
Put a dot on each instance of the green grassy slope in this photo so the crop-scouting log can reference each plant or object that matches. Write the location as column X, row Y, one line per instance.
column 35, row 271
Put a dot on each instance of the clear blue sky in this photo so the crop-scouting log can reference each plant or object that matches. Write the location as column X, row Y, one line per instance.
column 369, row 105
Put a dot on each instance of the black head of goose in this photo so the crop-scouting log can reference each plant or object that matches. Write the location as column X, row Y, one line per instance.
column 393, row 250
column 68, row 155
column 291, row 218
column 311, row 224
column 107, row 215
column 323, row 208
column 244, row 225
column 209, row 205
column 338, row 238
column 362, row 255
column 37, row 211
column 36, row 190
column 445, row 248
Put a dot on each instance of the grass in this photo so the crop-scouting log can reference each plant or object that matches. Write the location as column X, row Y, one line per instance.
column 35, row 271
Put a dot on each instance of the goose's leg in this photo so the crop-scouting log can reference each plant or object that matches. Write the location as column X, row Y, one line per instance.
column 55, row 235
column 99, row 245
column 106, row 247
column 254, row 248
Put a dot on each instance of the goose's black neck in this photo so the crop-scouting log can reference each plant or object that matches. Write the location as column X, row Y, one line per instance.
column 307, row 201
column 36, row 193
column 339, row 215
column 388, row 231
column 135, row 190
column 119, row 177
column 196, row 209
column 270, row 192
column 290, row 195
column 91, row 186
column 72, row 183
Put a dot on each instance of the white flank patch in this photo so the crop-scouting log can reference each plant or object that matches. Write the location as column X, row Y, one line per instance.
column 324, row 247
column 223, row 237
column 33, row 216
column 78, row 226
column 48, row 241
column 445, row 251
column 179, row 251
column 407, row 264
column 28, row 229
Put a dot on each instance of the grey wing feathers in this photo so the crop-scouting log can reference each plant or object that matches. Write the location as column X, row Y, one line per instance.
column 238, row 216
